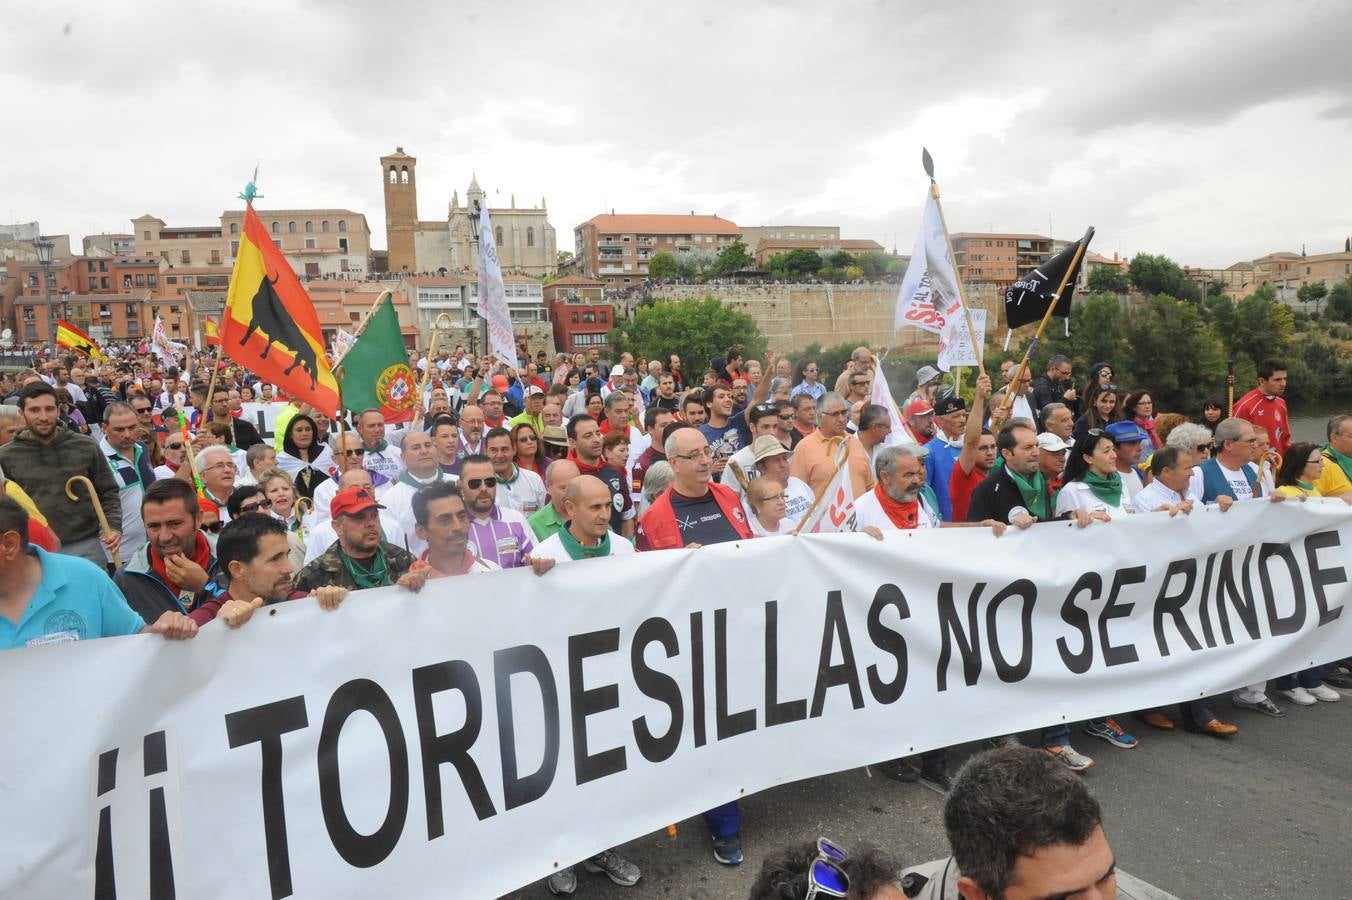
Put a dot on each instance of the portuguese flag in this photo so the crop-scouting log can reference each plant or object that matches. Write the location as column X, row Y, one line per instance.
column 375, row 373
column 270, row 326
column 72, row 338
column 211, row 332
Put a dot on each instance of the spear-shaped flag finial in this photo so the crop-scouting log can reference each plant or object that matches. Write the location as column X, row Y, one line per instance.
column 250, row 192
column 928, row 162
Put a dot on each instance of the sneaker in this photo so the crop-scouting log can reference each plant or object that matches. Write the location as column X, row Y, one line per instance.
column 1264, row 706
column 616, row 868
column 1067, row 756
column 1006, row 740
column 1341, row 677
column 1325, row 693
column 1299, row 696
column 1108, row 730
column 728, row 850
column 562, row 882
column 936, row 778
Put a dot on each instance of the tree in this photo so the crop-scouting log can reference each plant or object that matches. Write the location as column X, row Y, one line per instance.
column 732, row 258
column 697, row 329
column 1171, row 351
column 873, row 264
column 1313, row 293
column 1340, row 302
column 694, row 263
column 1109, row 280
column 663, row 265
column 841, row 259
column 795, row 263
column 1256, row 327
column 1160, row 275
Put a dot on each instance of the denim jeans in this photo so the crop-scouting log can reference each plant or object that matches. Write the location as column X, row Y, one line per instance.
column 1059, row 735
column 1309, row 678
column 724, row 821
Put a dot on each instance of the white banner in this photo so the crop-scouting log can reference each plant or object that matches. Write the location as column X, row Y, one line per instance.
column 405, row 742
column 263, row 416
column 492, row 296
column 929, row 291
column 956, row 347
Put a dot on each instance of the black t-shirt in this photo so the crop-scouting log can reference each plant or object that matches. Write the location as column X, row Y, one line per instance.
column 701, row 520
column 621, row 502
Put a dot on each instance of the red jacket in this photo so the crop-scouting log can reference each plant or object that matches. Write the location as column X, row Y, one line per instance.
column 657, row 530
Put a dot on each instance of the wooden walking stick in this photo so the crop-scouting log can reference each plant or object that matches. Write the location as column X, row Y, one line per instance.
column 98, row 511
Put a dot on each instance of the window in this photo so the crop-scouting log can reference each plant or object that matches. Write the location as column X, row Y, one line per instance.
column 173, row 310
column 234, row 228
column 309, row 243
column 126, row 282
column 28, row 314
column 309, row 227
column 394, row 175
column 277, row 244
column 103, row 311
column 30, row 332
column 290, row 227
column 185, row 256
column 103, row 282
column 134, row 327
column 276, row 227
column 171, row 279
column 342, row 265
column 530, row 236
column 215, row 257
column 575, row 320
column 145, row 235
column 131, row 310
column 164, row 254
column 140, row 281
column 33, row 280
column 356, row 316
column 234, row 248
column 604, row 316
column 93, row 283
column 342, row 244
column 152, row 280
column 497, row 235
column 342, row 225
column 89, row 266
column 589, row 317
column 324, row 226
column 187, row 279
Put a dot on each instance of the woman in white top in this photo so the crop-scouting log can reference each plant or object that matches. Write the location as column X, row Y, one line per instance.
column 303, row 456
column 765, row 498
column 1091, row 480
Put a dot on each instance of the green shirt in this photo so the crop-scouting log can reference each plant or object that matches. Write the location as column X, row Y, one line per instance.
column 545, row 522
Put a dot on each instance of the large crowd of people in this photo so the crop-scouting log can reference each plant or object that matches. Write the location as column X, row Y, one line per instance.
column 184, row 513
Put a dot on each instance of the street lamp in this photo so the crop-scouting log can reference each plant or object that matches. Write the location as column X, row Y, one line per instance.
column 44, row 249
column 478, row 306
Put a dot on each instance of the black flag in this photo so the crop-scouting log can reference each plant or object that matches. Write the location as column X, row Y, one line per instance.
column 1027, row 299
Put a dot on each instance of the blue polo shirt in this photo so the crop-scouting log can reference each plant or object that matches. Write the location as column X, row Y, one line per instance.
column 75, row 601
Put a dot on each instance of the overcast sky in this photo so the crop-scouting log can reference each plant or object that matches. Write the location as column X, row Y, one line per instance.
column 1212, row 132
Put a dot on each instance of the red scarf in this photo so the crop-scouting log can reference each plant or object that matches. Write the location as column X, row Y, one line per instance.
column 201, row 555
column 903, row 515
column 1148, row 426
column 528, row 463
column 582, row 467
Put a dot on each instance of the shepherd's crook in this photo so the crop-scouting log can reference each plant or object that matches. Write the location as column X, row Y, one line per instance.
column 98, row 510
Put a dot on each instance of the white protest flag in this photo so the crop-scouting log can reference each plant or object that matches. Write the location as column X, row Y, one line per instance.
column 492, row 296
column 162, row 347
column 342, row 342
column 834, row 507
column 882, row 395
column 956, row 347
column 929, row 293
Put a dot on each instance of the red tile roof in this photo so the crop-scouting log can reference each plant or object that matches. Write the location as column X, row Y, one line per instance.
column 661, row 224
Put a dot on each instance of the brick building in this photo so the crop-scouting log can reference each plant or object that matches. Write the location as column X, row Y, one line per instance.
column 579, row 313
column 998, row 258
column 617, row 249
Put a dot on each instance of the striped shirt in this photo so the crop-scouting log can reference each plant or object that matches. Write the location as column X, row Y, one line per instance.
column 503, row 538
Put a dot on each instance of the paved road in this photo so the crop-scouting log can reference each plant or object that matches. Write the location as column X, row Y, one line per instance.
column 1265, row 814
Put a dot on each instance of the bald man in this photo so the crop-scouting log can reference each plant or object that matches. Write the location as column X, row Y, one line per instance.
column 587, row 535
column 548, row 519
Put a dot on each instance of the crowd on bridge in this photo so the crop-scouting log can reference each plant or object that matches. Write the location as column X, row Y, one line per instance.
column 199, row 517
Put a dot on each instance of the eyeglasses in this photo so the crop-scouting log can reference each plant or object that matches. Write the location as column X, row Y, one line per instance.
column 811, row 371
column 173, row 446
column 701, row 453
column 825, row 877
column 526, row 437
column 475, row 483
column 221, row 465
column 786, row 417
column 142, row 410
column 837, row 413
column 255, row 507
column 765, row 407
column 213, row 527
column 357, row 452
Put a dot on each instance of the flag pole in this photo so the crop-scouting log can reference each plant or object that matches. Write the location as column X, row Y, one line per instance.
column 962, row 294
column 1042, row 326
column 427, row 372
column 360, row 328
column 816, row 501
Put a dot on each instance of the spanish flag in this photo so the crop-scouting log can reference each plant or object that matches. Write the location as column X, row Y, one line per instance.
column 270, row 326
column 72, row 338
column 211, row 332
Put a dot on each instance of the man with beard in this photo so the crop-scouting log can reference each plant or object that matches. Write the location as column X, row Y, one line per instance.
column 585, row 437
column 254, row 551
column 43, row 456
column 131, row 467
column 174, row 571
column 360, row 558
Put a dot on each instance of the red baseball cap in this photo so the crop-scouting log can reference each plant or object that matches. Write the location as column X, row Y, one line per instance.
column 353, row 500
column 918, row 407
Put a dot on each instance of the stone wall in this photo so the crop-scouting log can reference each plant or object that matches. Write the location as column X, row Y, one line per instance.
column 794, row 315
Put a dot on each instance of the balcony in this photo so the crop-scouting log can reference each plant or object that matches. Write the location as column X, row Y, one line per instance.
column 611, row 270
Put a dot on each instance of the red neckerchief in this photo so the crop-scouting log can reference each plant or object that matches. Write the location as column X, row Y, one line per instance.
column 584, row 468
column 465, row 565
column 903, row 515
column 201, row 555
column 497, row 424
column 530, row 464
column 606, row 427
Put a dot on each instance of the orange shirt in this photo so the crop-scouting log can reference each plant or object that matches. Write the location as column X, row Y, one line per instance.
column 814, row 462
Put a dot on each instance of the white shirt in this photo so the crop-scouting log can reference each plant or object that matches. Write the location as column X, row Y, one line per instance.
column 525, row 493
column 552, row 548
column 869, row 511
column 398, row 502
column 1131, row 484
column 1238, row 479
column 388, row 462
column 323, row 535
column 1077, row 495
column 130, row 490
column 785, row 526
column 1155, row 494
column 324, row 493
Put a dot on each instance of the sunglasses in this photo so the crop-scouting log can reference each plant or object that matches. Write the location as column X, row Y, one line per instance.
column 357, row 452
column 526, row 437
column 1205, row 448
column 173, row 446
column 475, row 483
column 213, row 527
column 142, row 410
column 255, row 507
column 825, row 877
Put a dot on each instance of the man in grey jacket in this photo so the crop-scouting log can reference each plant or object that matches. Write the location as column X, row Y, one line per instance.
column 43, row 457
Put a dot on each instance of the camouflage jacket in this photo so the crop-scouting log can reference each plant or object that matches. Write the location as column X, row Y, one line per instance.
column 329, row 568
column 42, row 470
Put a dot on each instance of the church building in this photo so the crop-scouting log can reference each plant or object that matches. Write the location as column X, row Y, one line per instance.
column 524, row 237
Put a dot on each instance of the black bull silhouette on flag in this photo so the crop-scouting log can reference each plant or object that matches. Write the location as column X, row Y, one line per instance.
column 270, row 317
